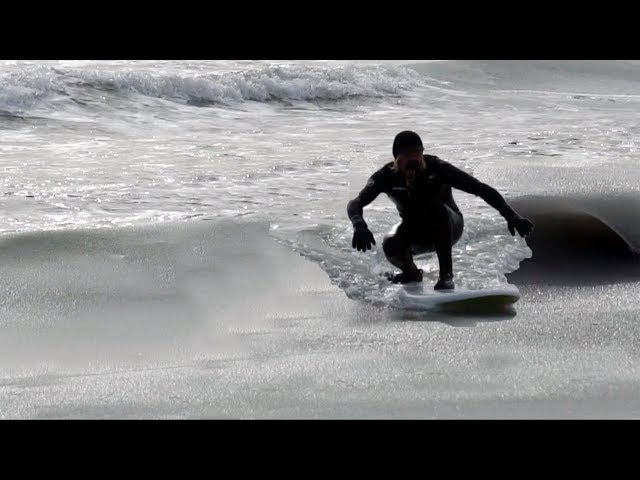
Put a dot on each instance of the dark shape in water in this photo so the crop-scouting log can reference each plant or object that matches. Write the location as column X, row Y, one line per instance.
column 580, row 240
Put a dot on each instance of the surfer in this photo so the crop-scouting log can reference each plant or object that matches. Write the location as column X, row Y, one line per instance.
column 420, row 186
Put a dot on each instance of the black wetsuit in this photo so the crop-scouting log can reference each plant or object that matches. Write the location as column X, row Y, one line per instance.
column 431, row 220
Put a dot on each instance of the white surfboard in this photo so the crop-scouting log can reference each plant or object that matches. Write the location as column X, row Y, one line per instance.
column 417, row 296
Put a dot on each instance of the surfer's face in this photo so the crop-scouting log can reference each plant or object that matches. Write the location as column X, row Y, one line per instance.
column 410, row 160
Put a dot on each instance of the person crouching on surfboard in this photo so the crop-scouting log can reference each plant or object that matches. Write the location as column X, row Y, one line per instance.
column 420, row 186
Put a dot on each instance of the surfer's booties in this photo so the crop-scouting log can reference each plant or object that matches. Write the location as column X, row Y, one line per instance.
column 406, row 277
column 445, row 283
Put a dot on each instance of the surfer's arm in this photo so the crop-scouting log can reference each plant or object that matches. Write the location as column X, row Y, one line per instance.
column 461, row 180
column 374, row 187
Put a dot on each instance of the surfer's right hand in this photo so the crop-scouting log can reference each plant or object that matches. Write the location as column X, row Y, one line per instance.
column 362, row 238
column 522, row 225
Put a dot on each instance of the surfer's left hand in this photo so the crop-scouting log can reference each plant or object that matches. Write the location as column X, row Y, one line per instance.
column 522, row 225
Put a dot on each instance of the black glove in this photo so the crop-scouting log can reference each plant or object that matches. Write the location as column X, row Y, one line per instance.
column 362, row 238
column 524, row 226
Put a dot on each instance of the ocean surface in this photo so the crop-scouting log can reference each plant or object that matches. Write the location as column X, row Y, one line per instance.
column 175, row 244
